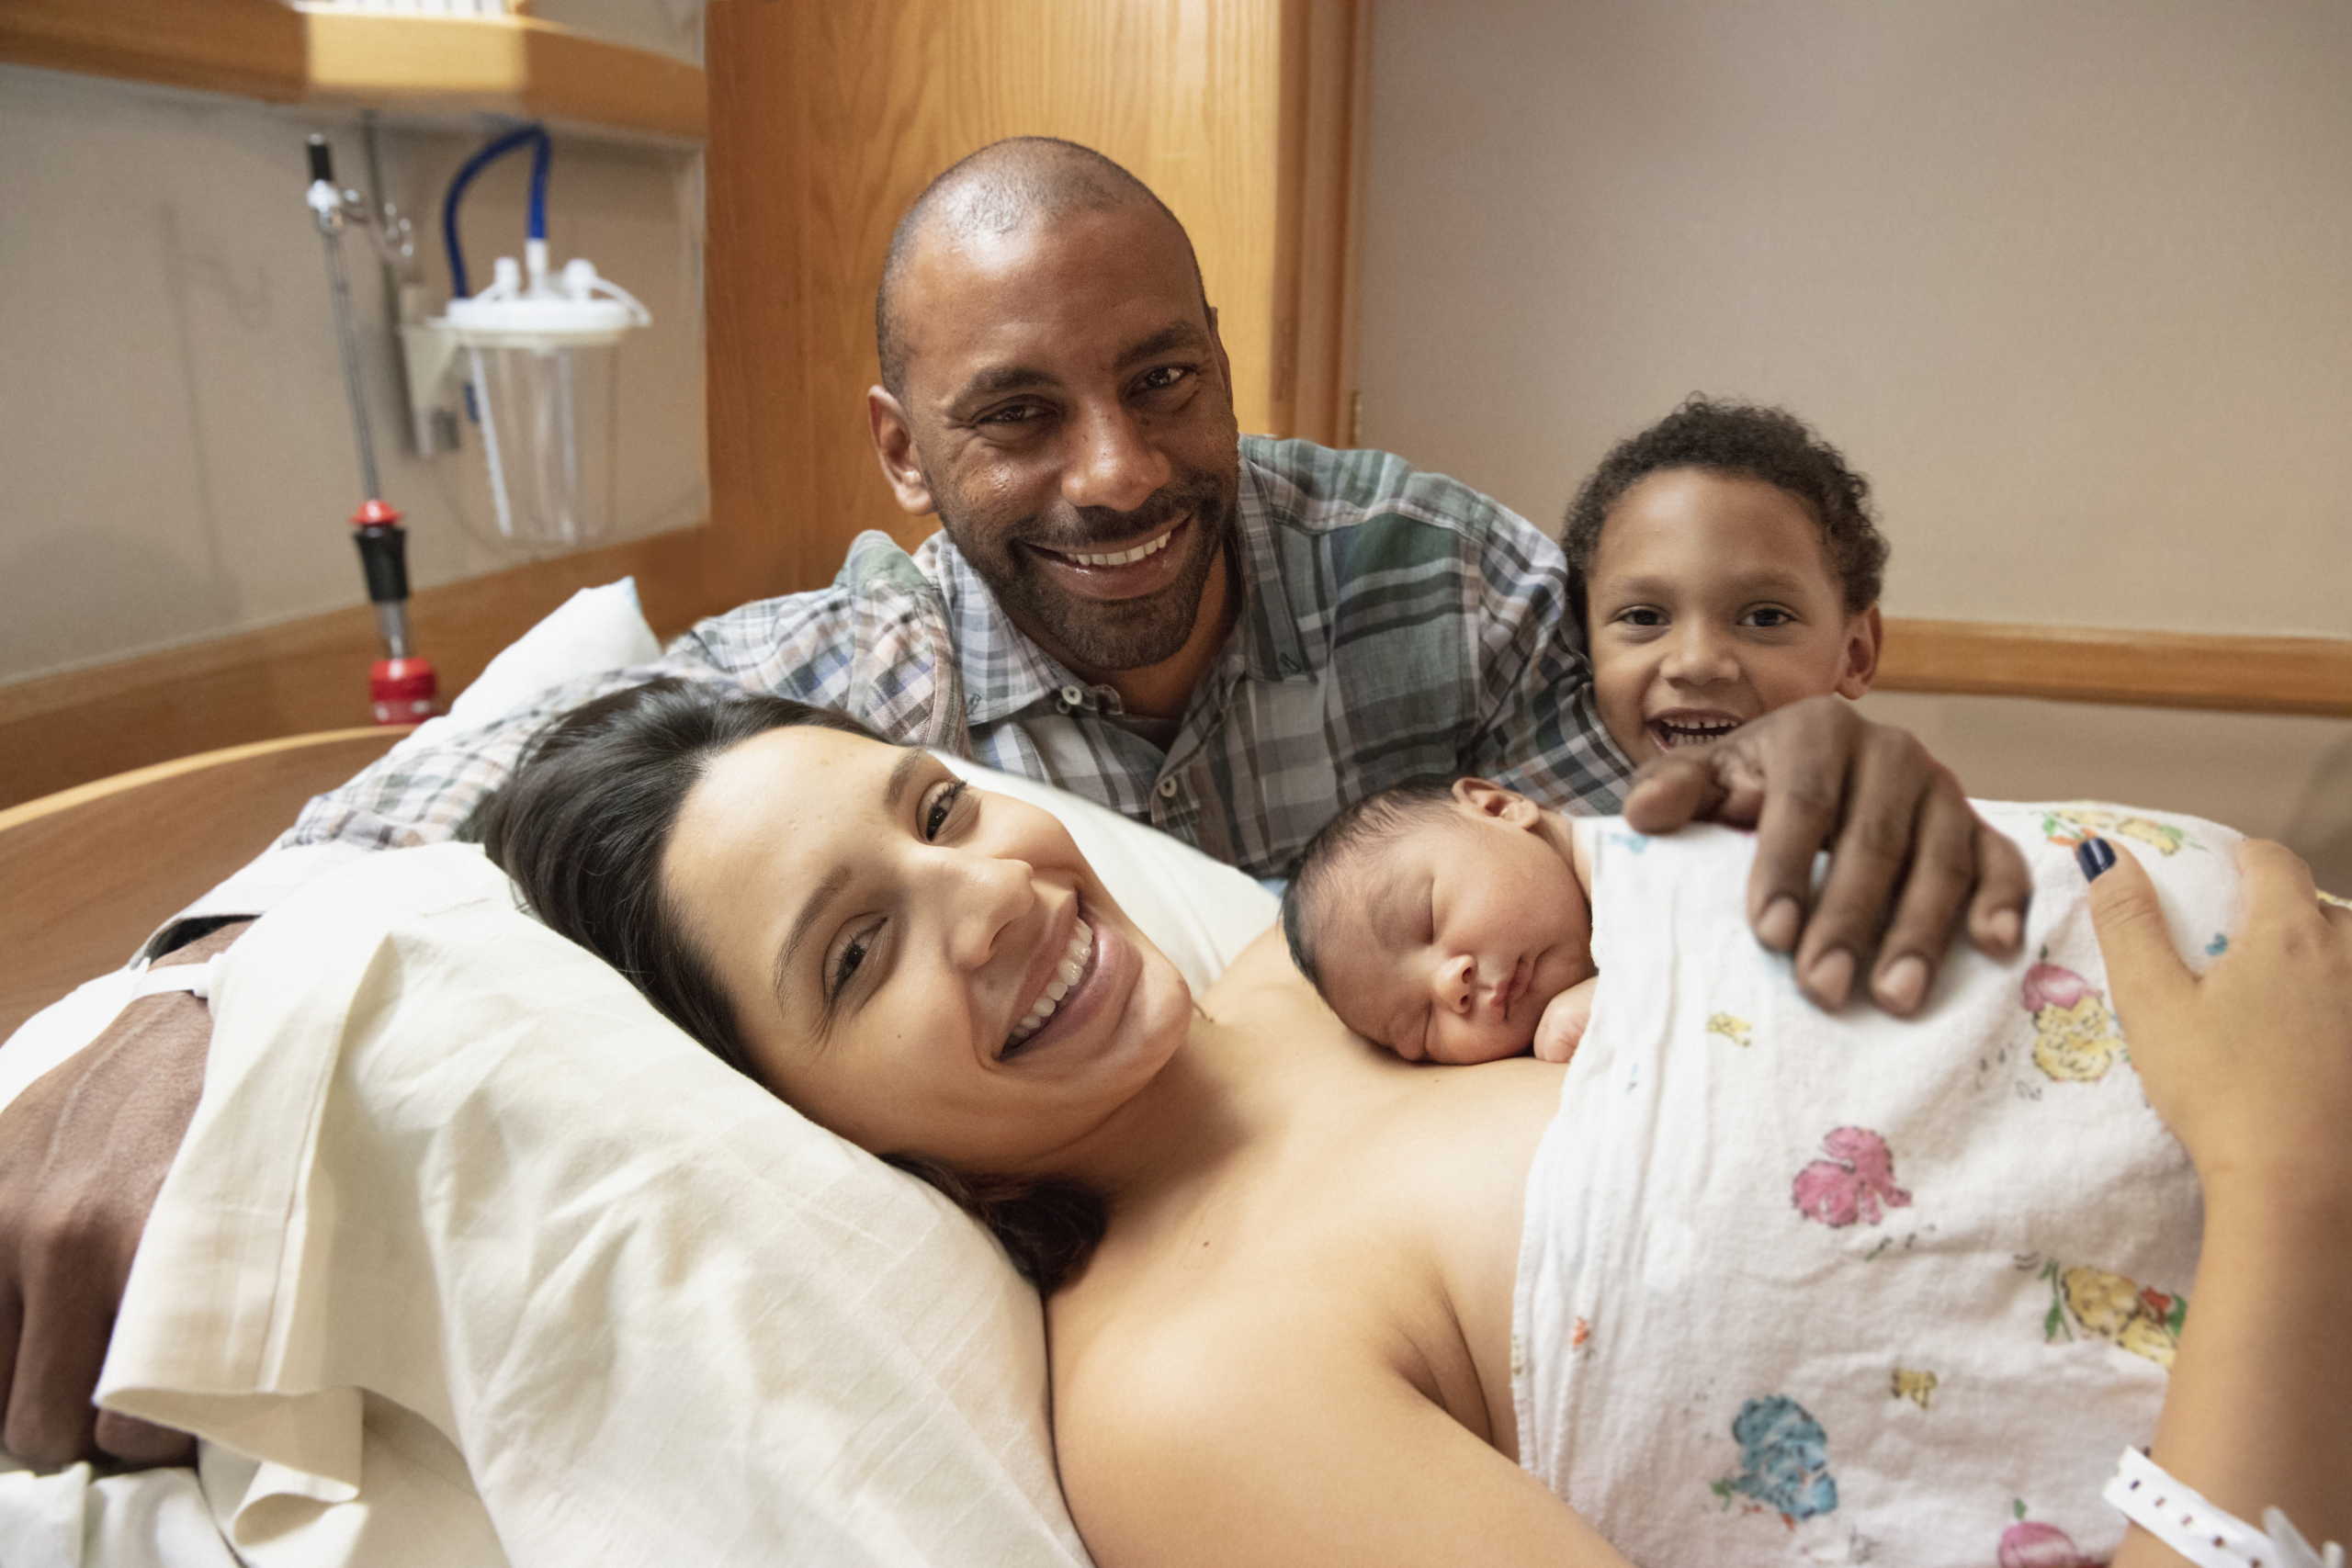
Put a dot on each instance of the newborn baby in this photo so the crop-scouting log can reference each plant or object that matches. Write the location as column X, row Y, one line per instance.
column 1448, row 922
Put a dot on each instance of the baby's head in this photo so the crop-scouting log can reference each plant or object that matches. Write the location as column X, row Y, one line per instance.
column 1439, row 920
column 1726, row 564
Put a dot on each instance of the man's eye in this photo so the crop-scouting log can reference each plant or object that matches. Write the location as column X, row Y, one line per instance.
column 1160, row 378
column 941, row 809
column 1012, row 413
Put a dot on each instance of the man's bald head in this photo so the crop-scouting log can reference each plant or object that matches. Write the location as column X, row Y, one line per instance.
column 1002, row 188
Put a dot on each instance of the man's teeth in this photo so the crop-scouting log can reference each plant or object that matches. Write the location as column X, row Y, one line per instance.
column 1691, row 733
column 1120, row 557
column 1066, row 974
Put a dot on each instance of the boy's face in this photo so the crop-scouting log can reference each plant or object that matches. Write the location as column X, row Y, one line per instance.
column 1712, row 600
column 1445, row 942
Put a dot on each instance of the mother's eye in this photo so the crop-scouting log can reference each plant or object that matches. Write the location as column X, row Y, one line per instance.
column 845, row 962
column 939, row 809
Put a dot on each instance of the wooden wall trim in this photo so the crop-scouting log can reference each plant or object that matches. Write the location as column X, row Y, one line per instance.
column 2092, row 664
column 311, row 675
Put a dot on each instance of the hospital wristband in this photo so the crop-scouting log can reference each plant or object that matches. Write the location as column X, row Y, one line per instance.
column 2207, row 1536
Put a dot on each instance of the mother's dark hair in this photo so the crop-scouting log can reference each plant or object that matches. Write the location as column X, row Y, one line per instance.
column 582, row 828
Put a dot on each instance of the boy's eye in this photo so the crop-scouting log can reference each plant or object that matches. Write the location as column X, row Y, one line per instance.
column 1643, row 615
column 1769, row 615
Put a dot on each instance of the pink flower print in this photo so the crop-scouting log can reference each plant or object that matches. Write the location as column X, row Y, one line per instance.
column 1851, row 1184
column 2050, row 986
column 2028, row 1545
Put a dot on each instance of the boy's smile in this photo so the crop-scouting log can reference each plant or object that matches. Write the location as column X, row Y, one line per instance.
column 1712, row 600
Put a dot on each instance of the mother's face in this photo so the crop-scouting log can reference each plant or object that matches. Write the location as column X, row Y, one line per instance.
column 890, row 937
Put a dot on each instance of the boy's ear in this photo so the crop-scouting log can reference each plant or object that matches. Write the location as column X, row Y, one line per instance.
column 1865, row 635
column 1489, row 799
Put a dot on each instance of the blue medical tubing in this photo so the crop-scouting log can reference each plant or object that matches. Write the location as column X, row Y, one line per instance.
column 537, row 135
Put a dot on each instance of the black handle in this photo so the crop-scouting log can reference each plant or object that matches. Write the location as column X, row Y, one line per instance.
column 321, row 161
column 384, row 555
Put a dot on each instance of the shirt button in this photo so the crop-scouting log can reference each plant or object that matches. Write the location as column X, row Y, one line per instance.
column 1072, row 697
column 1168, row 789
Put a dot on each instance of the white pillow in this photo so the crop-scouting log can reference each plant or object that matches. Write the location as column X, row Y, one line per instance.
column 447, row 1159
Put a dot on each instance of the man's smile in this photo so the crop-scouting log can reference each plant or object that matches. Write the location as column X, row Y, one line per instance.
column 1130, row 571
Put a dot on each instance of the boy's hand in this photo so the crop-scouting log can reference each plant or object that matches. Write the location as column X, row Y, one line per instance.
column 1565, row 1018
column 1907, row 855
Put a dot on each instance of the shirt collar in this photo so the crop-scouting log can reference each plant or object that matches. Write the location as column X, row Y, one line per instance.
column 1268, row 631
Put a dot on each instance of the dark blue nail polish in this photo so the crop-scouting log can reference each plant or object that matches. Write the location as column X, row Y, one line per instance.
column 2096, row 856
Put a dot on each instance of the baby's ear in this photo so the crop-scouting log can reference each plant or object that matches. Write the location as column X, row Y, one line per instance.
column 1865, row 635
column 1489, row 799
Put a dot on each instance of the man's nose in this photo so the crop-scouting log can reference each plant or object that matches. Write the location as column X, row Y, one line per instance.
column 1112, row 464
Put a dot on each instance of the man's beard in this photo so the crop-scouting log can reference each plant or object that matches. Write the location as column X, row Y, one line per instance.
column 1099, row 635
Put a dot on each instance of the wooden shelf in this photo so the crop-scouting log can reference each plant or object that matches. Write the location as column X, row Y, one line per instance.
column 259, row 48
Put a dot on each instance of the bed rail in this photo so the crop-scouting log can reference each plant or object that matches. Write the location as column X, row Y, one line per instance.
column 87, row 873
column 2149, row 669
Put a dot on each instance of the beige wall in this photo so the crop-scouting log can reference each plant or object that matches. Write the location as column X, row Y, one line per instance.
column 2071, row 283
column 175, row 461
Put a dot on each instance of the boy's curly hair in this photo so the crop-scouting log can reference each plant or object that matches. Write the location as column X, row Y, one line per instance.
column 1743, row 441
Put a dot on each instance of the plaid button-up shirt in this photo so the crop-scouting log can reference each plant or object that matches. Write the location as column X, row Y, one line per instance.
column 1394, row 625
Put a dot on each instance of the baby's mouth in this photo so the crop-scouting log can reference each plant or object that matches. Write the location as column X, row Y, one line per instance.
column 1076, row 961
column 1690, row 729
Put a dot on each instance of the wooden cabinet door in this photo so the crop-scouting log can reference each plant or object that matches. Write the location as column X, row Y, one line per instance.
column 828, row 119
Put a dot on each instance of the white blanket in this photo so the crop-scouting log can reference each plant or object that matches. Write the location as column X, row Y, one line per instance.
column 1803, row 1289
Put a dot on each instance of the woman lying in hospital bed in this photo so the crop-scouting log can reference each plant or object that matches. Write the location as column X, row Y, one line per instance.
column 1738, row 1283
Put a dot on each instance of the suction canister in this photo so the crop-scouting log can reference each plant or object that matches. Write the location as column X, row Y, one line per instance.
column 539, row 351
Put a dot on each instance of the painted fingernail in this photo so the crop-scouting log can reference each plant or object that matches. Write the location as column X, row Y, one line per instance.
column 2096, row 856
column 1833, row 977
column 1778, row 929
column 1904, row 984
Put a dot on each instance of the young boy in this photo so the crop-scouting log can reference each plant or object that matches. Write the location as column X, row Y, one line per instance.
column 1726, row 564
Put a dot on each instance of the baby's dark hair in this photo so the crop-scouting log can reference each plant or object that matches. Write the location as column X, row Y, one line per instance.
column 1742, row 441
column 1379, row 818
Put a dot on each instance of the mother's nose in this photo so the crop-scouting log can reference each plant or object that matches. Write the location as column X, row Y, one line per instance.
column 980, row 896
column 1112, row 464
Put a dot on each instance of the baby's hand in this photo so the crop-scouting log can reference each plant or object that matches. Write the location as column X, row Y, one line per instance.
column 1564, row 1019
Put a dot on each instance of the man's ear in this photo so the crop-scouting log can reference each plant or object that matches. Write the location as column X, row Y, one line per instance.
column 1865, row 635
column 894, row 443
column 1223, row 365
column 1489, row 799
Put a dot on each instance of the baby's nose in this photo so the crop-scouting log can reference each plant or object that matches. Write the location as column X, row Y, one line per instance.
column 1457, row 984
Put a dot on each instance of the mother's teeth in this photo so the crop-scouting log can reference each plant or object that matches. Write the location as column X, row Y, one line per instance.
column 1120, row 557
column 1066, row 974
